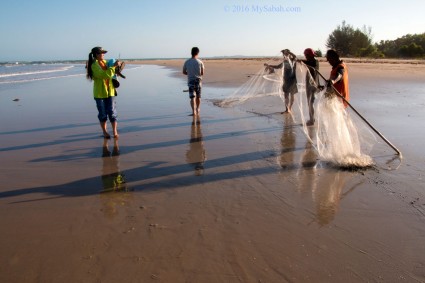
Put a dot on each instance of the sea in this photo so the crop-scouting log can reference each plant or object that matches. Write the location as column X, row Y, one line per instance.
column 24, row 72
column 30, row 71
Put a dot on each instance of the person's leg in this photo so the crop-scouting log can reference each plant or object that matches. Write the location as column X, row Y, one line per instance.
column 112, row 114
column 311, row 107
column 198, row 98
column 115, row 129
column 293, row 89
column 102, row 116
column 192, row 105
column 291, row 102
column 310, row 121
column 192, row 97
column 311, row 89
column 286, row 95
column 198, row 104
column 104, row 130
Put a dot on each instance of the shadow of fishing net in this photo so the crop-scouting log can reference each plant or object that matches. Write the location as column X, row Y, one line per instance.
column 339, row 135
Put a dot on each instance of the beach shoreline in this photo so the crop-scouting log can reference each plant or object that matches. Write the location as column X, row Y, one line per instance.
column 234, row 72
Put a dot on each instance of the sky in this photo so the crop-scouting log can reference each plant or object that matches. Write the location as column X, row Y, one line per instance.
column 38, row 30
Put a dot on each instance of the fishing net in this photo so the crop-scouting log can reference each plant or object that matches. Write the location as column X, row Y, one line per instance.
column 339, row 136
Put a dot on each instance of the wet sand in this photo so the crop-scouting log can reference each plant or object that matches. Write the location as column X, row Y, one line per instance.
column 233, row 196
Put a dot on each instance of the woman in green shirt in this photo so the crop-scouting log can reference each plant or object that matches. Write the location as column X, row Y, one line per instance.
column 103, row 89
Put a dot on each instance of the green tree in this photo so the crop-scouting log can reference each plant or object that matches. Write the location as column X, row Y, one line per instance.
column 411, row 50
column 349, row 41
column 371, row 51
column 405, row 46
column 318, row 53
column 366, row 51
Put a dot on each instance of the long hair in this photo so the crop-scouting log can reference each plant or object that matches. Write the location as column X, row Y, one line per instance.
column 91, row 60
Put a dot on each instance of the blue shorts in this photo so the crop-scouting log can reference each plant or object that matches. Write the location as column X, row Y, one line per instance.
column 106, row 108
column 195, row 88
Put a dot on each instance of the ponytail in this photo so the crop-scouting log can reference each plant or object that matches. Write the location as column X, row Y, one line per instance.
column 91, row 60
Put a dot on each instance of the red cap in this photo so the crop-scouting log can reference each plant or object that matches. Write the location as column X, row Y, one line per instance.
column 310, row 52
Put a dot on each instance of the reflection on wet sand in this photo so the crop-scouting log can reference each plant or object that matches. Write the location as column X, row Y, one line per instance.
column 307, row 172
column 309, row 157
column 286, row 157
column 115, row 191
column 196, row 155
column 328, row 194
column 326, row 184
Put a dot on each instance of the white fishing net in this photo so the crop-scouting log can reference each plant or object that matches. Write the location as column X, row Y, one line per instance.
column 340, row 137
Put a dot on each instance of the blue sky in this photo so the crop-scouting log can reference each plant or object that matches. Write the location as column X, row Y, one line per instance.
column 67, row 30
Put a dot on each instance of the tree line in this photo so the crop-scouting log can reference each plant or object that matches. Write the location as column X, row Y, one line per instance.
column 351, row 42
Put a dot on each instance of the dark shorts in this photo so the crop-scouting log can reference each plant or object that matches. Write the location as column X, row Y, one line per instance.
column 106, row 109
column 195, row 88
column 290, row 87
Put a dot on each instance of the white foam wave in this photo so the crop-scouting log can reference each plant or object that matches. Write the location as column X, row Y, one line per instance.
column 63, row 69
column 40, row 79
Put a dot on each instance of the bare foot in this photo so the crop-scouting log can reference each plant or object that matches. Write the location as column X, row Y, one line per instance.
column 286, row 112
column 106, row 135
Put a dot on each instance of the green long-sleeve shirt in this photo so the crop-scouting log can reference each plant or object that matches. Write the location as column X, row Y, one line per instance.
column 102, row 81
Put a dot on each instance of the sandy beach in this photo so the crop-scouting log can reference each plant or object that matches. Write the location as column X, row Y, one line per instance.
column 230, row 196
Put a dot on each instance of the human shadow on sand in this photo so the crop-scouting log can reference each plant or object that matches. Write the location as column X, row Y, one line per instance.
column 138, row 128
column 83, row 137
column 79, row 125
column 156, row 145
column 142, row 176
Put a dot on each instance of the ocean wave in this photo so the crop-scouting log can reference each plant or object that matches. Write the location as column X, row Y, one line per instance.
column 34, row 73
column 39, row 79
column 37, row 72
